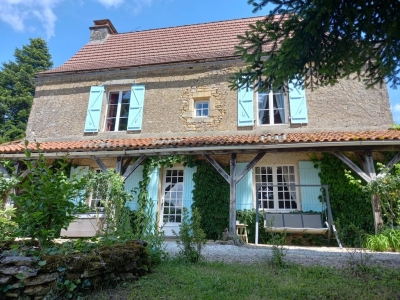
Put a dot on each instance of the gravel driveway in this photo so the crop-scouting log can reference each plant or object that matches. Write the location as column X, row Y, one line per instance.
column 325, row 256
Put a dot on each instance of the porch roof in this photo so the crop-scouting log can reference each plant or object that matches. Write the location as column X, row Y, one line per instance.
column 385, row 140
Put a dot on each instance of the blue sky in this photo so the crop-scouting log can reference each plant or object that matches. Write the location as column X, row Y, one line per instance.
column 64, row 24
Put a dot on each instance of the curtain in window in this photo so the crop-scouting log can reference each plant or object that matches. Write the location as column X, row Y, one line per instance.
column 263, row 109
column 280, row 104
column 292, row 191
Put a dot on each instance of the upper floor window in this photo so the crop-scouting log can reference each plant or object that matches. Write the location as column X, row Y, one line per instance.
column 117, row 111
column 271, row 108
column 201, row 108
column 124, row 111
column 274, row 188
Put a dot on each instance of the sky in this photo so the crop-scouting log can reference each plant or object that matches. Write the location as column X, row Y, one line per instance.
column 64, row 24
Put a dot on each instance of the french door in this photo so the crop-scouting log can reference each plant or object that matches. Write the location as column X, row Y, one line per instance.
column 172, row 201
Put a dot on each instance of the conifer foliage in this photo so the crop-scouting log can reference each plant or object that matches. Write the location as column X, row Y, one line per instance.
column 16, row 88
column 315, row 43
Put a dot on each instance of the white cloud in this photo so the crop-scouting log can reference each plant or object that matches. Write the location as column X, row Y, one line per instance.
column 111, row 3
column 17, row 13
column 138, row 5
column 396, row 108
column 135, row 5
column 396, row 113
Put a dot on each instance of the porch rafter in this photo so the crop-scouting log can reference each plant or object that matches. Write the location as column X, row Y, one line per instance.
column 101, row 165
column 233, row 179
column 4, row 171
column 131, row 168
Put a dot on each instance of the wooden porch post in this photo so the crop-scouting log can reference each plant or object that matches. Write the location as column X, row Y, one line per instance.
column 375, row 200
column 232, row 194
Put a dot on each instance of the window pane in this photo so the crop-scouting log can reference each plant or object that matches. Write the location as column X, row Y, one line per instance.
column 110, row 124
column 201, row 108
column 279, row 108
column 123, row 124
column 113, row 98
column 124, row 111
column 126, row 96
column 263, row 108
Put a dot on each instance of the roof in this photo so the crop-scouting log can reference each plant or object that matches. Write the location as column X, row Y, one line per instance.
column 222, row 142
column 188, row 43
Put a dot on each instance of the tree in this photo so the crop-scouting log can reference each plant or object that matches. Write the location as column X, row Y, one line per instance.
column 315, row 43
column 16, row 89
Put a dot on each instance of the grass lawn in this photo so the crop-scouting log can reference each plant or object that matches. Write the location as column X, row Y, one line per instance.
column 175, row 279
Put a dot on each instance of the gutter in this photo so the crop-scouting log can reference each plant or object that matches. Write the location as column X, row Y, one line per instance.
column 203, row 149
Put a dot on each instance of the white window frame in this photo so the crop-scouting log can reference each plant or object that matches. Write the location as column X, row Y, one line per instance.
column 201, row 110
column 274, row 189
column 270, row 94
column 90, row 200
column 118, row 115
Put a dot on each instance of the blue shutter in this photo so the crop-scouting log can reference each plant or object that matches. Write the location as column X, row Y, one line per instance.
column 188, row 186
column 78, row 172
column 94, row 109
column 244, row 189
column 152, row 189
column 136, row 108
column 245, row 107
column 132, row 185
column 309, row 195
column 298, row 105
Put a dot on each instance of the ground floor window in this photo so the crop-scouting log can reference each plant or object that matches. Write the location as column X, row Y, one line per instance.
column 95, row 202
column 274, row 188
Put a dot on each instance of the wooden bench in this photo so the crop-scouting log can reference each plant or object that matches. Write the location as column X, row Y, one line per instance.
column 295, row 223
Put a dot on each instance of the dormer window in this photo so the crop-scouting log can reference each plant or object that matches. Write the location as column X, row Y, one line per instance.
column 117, row 111
column 201, row 108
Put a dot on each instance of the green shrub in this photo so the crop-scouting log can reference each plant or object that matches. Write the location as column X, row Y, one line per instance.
column 109, row 188
column 393, row 236
column 8, row 228
column 191, row 238
column 44, row 203
column 388, row 240
column 377, row 242
column 248, row 217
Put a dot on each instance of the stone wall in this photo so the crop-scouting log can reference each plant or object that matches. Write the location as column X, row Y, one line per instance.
column 21, row 277
column 60, row 105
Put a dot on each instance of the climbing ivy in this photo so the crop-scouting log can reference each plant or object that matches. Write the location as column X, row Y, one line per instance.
column 145, row 204
column 146, row 226
column 211, row 198
column 350, row 203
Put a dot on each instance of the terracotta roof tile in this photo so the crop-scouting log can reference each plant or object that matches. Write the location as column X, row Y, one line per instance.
column 159, row 46
column 202, row 141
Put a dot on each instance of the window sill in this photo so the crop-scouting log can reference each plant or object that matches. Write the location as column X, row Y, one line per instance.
column 90, row 215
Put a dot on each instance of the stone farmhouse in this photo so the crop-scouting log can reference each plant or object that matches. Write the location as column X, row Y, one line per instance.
column 126, row 96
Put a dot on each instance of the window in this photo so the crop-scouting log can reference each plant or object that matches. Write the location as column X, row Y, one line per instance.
column 201, row 108
column 273, row 190
column 117, row 111
column 95, row 203
column 271, row 108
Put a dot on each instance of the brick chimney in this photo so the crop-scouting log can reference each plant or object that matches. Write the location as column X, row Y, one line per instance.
column 101, row 30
